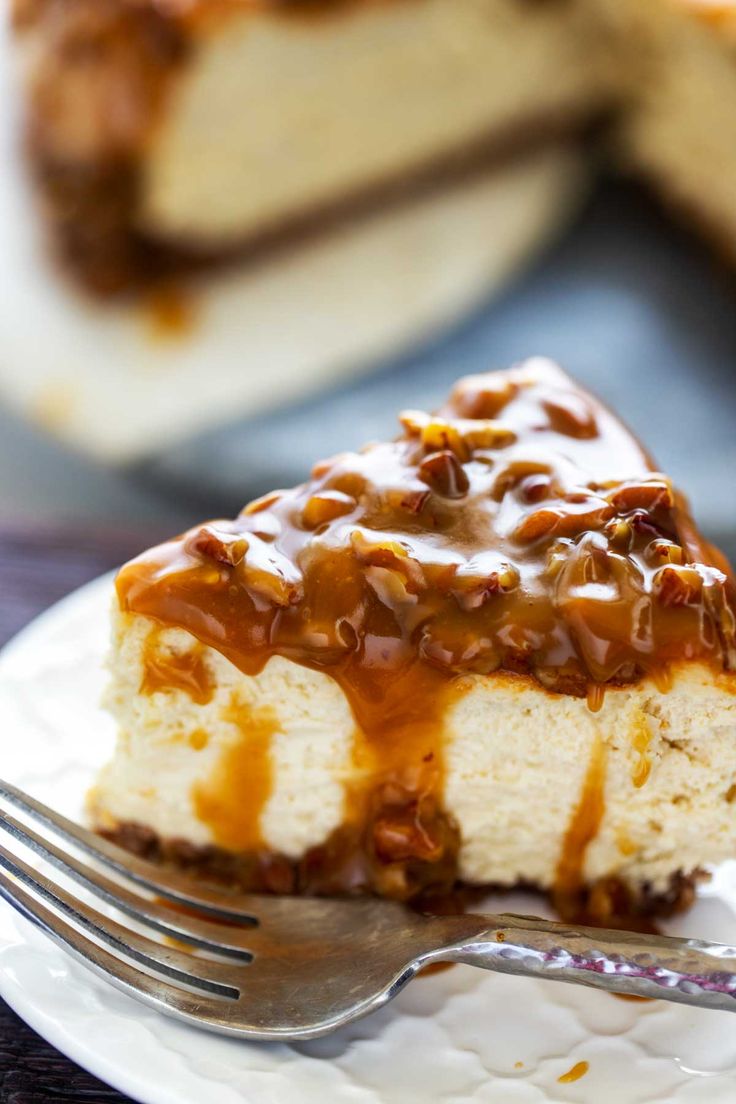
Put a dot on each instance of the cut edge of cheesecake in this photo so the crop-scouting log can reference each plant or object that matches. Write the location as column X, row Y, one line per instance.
column 494, row 652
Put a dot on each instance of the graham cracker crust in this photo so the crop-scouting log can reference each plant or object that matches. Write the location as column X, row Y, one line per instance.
column 344, row 866
column 91, row 210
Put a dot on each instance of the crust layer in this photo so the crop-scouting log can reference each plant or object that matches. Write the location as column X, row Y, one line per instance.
column 336, row 869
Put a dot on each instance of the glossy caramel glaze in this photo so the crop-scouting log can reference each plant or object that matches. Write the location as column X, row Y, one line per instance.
column 522, row 528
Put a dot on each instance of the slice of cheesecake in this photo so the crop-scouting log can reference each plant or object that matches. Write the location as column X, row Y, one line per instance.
column 492, row 652
column 177, row 133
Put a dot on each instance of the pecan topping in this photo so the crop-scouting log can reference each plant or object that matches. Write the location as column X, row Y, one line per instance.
column 325, row 506
column 218, row 543
column 544, row 544
column 677, row 585
column 444, row 474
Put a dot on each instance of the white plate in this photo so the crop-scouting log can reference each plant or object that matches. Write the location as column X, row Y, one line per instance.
column 455, row 1037
column 100, row 378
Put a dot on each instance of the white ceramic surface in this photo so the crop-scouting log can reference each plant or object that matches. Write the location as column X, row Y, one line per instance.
column 455, row 1037
column 99, row 377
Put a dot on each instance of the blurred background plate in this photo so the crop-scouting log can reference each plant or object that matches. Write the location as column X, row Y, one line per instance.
column 272, row 370
column 121, row 380
column 629, row 304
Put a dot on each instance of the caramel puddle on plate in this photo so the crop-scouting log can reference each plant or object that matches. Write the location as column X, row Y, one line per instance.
column 578, row 1070
column 435, row 968
column 170, row 313
column 231, row 801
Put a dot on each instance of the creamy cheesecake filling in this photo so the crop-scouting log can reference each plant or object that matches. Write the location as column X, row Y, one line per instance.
column 486, row 636
column 535, row 788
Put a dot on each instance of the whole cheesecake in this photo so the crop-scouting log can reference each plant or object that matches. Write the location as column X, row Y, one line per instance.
column 171, row 134
column 178, row 133
column 492, row 652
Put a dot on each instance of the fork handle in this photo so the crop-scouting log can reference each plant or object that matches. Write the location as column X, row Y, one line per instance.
column 689, row 971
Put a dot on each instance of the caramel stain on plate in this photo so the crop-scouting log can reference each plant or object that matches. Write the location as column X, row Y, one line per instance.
column 578, row 1070
column 633, row 997
column 641, row 737
column 170, row 312
column 232, row 800
column 518, row 1065
column 435, row 968
column 165, row 670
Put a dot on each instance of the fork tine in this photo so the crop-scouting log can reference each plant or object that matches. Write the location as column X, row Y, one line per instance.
column 161, row 994
column 200, row 933
column 167, row 884
column 203, row 974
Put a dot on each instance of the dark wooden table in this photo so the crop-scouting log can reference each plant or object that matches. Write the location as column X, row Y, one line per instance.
column 37, row 567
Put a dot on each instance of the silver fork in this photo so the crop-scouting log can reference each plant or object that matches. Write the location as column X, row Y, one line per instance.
column 284, row 968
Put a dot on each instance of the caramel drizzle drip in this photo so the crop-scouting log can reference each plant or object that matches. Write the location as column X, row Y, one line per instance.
column 166, row 671
column 582, row 830
column 232, row 800
column 641, row 738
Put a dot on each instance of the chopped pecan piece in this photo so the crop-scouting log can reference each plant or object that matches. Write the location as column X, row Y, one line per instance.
column 572, row 415
column 460, row 435
column 482, row 396
column 567, row 519
column 262, row 503
column 515, row 474
column 325, row 506
column 389, row 554
column 662, row 551
column 401, row 834
column 677, row 585
column 645, row 494
column 443, row 472
column 471, row 591
column 219, row 544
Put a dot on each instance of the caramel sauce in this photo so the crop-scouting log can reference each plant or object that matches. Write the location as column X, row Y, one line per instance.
column 170, row 312
column 232, row 800
column 522, row 529
column 198, row 739
column 595, row 697
column 578, row 1070
column 582, row 830
column 625, row 844
column 641, row 738
column 166, row 671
